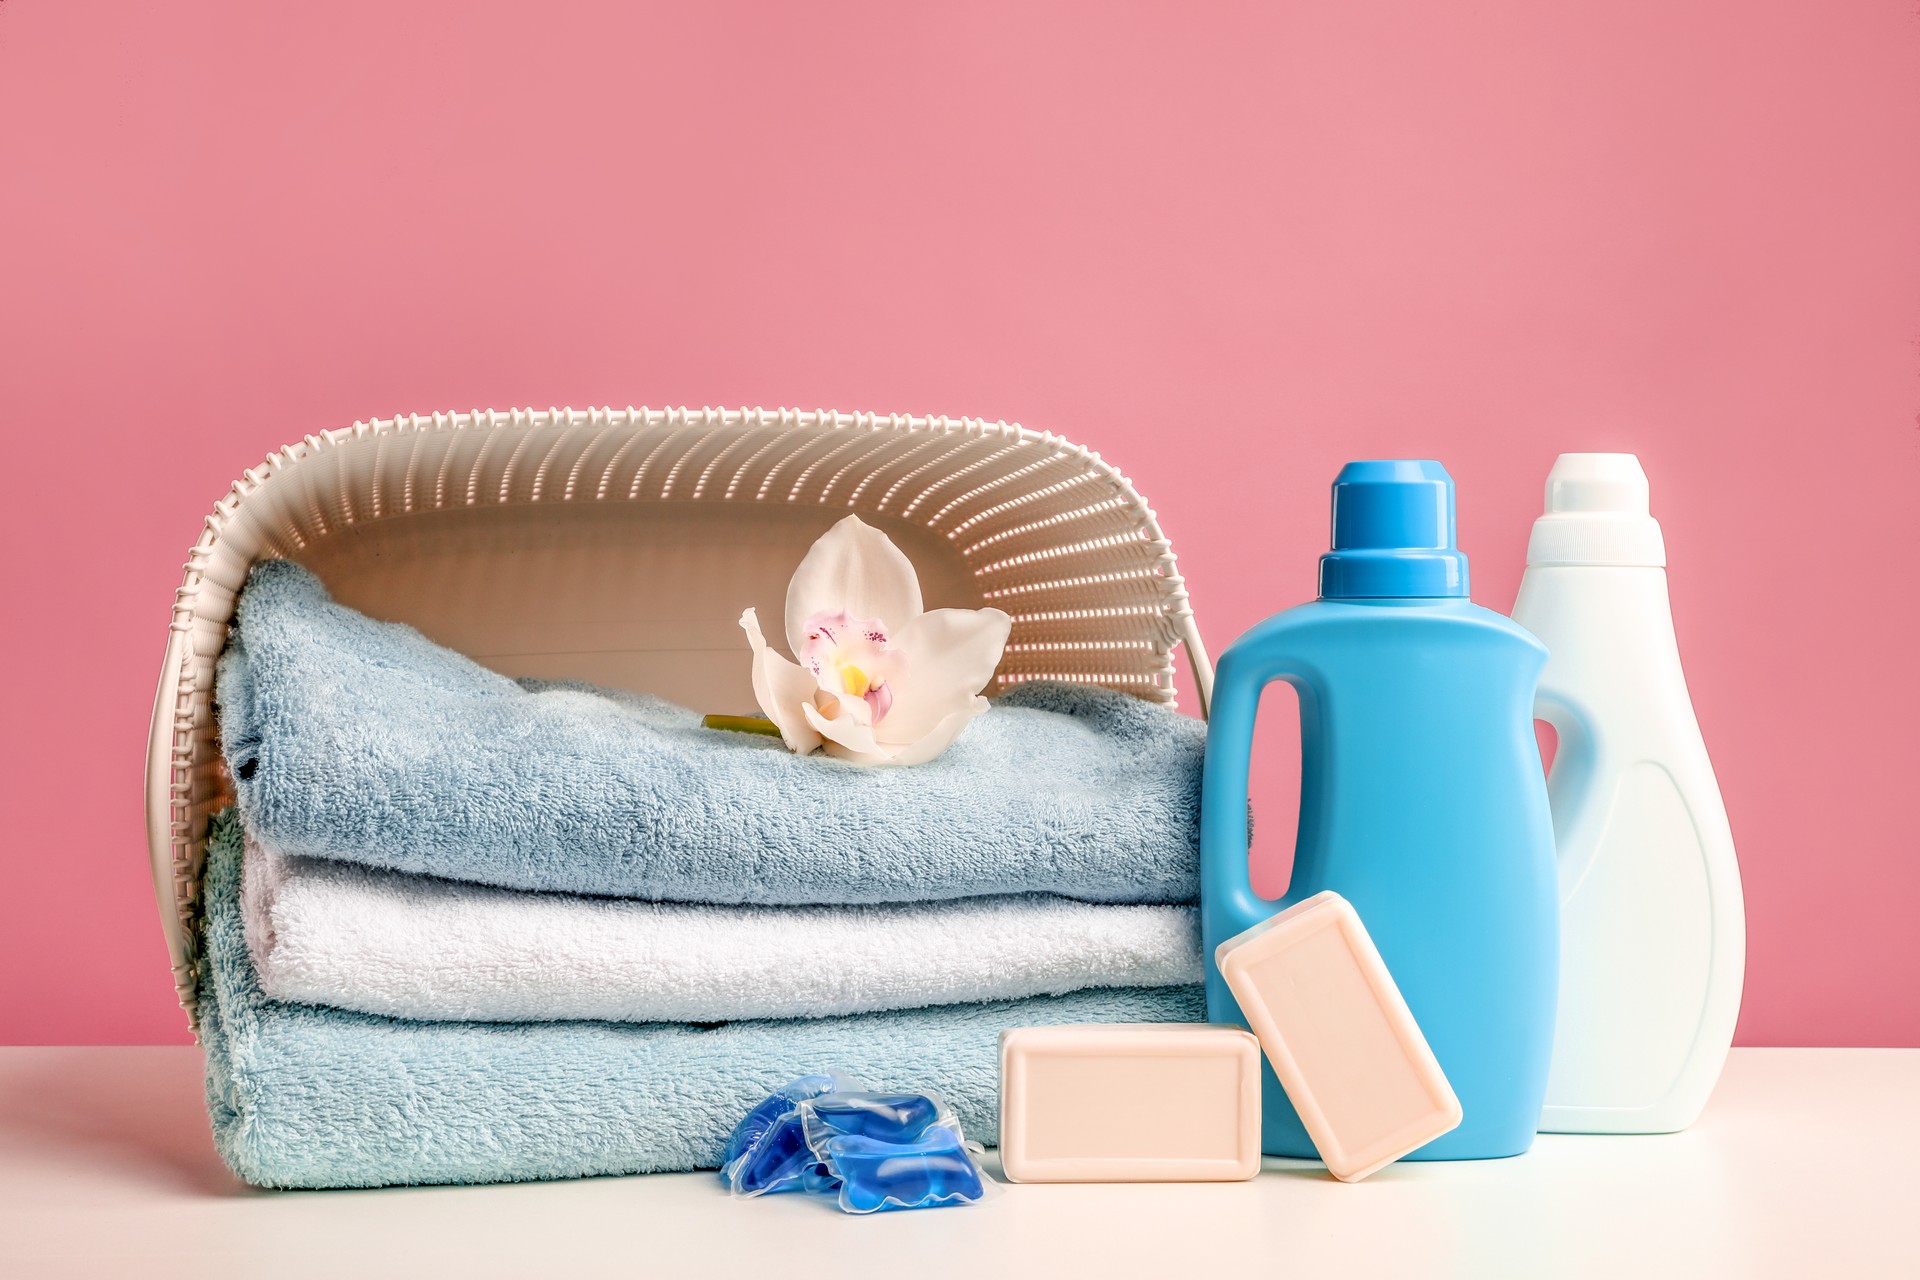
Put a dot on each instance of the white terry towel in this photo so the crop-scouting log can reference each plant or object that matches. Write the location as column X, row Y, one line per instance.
column 356, row 937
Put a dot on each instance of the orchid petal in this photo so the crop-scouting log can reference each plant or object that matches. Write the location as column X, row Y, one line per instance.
column 853, row 568
column 781, row 688
column 846, row 737
column 942, row 735
column 953, row 654
column 835, row 705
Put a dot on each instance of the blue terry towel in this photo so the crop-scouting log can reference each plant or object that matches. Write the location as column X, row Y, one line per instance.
column 306, row 1096
column 365, row 741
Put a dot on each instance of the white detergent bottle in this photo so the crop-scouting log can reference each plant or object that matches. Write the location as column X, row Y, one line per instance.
column 1652, row 930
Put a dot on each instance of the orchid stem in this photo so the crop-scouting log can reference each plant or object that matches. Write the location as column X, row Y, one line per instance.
column 742, row 724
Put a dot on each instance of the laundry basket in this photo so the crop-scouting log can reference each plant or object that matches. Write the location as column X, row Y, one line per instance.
column 621, row 545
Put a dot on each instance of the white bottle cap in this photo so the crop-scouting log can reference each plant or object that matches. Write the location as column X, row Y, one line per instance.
column 1597, row 513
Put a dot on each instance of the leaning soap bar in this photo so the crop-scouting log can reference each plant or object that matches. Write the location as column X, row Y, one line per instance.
column 1129, row 1102
column 1339, row 1035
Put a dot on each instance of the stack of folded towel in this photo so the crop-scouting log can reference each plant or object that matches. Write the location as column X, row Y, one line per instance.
column 467, row 929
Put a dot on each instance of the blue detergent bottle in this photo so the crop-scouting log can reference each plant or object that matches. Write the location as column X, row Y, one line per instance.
column 1422, row 800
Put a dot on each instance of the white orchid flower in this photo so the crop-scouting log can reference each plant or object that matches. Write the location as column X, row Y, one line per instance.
column 878, row 681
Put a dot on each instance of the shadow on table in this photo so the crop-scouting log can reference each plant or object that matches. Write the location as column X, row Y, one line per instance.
column 150, row 1120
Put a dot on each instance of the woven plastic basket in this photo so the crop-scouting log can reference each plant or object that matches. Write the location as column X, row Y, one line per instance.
column 620, row 546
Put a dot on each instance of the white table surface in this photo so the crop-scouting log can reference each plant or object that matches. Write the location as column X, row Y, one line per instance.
column 1803, row 1165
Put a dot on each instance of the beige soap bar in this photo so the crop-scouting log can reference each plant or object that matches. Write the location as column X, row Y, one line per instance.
column 1129, row 1102
column 1339, row 1034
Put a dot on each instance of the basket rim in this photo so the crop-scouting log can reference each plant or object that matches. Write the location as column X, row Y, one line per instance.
column 176, row 853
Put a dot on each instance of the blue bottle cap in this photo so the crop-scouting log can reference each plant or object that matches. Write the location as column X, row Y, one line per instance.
column 1393, row 533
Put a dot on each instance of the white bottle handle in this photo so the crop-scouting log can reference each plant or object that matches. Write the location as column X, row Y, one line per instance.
column 1573, row 790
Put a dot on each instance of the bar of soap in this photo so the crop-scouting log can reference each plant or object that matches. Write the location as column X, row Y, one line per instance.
column 1339, row 1034
column 1129, row 1102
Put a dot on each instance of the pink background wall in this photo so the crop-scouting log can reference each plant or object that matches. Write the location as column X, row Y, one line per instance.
column 1229, row 248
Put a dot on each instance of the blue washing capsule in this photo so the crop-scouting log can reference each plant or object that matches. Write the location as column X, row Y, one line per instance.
column 933, row 1169
column 884, row 1117
column 768, row 1150
column 762, row 1117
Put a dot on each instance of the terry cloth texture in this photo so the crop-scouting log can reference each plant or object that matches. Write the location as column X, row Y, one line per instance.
column 306, row 1096
column 362, row 740
column 415, row 947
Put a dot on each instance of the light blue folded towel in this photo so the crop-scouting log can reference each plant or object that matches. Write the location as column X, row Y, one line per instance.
column 307, row 1096
column 365, row 741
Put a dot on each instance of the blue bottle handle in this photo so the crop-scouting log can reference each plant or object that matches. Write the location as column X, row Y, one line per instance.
column 1245, row 670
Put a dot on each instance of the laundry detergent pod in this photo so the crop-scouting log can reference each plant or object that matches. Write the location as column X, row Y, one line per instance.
column 768, row 1151
column 934, row 1169
column 885, row 1117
